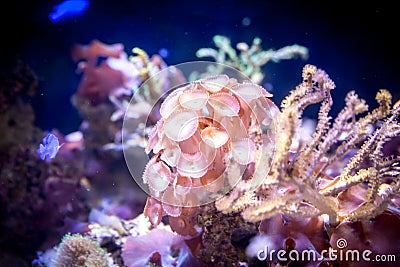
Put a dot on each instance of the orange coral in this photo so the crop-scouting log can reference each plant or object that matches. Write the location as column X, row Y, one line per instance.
column 98, row 80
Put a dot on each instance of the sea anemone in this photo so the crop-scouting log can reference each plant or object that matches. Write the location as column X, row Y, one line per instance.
column 80, row 251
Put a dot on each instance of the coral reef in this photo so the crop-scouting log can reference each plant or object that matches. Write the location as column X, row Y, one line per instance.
column 228, row 172
column 17, row 80
column 340, row 176
column 224, row 232
column 39, row 200
column 211, row 134
column 208, row 128
column 304, row 180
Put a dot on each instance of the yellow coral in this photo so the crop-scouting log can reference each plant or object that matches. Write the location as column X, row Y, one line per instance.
column 304, row 177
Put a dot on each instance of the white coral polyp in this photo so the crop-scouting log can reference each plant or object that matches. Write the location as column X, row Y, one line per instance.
column 181, row 125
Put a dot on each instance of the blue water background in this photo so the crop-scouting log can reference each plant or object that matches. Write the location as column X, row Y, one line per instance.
column 354, row 44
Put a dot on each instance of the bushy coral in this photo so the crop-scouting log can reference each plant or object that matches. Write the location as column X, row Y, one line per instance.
column 79, row 251
column 298, row 180
column 341, row 174
column 249, row 60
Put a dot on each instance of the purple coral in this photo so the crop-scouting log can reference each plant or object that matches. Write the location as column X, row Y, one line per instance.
column 158, row 246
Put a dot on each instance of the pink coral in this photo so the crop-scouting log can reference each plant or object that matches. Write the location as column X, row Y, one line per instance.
column 94, row 50
column 210, row 131
column 113, row 76
column 98, row 80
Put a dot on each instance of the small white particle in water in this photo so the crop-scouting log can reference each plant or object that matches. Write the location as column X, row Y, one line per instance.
column 246, row 21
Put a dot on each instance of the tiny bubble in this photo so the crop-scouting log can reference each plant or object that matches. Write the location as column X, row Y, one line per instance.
column 268, row 86
column 163, row 52
column 246, row 21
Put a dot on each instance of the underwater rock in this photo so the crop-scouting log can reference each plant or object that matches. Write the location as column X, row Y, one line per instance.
column 17, row 81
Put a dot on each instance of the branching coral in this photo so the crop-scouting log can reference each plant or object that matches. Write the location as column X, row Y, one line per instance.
column 299, row 182
column 250, row 60
column 218, row 134
column 339, row 175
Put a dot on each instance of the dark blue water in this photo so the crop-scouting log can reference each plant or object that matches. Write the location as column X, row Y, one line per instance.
column 354, row 44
